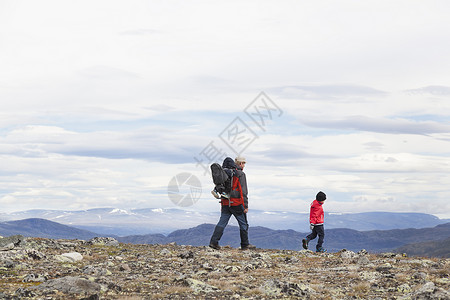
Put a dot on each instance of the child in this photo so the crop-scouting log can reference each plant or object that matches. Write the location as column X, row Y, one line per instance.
column 223, row 190
column 316, row 221
column 218, row 192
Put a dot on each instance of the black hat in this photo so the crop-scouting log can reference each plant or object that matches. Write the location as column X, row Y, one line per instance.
column 321, row 196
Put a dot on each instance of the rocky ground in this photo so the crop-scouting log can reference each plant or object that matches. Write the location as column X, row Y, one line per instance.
column 102, row 268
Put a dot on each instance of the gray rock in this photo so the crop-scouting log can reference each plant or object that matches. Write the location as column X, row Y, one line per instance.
column 165, row 252
column 23, row 293
column 96, row 271
column 430, row 291
column 388, row 255
column 419, row 277
column 404, row 288
column 7, row 247
column 69, row 257
column 34, row 254
column 363, row 260
column 125, row 267
column 198, row 286
column 363, row 252
column 347, row 254
column 384, row 267
column 427, row 288
column 34, row 278
column 232, row 269
column 9, row 264
column 103, row 241
column 276, row 288
column 186, row 255
column 15, row 240
column 70, row 285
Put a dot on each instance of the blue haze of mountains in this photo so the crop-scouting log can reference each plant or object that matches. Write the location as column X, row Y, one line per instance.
column 119, row 222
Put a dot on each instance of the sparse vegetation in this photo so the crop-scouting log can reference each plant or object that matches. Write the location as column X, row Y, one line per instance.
column 180, row 272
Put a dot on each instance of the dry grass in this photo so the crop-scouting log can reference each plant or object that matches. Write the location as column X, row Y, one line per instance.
column 225, row 283
column 402, row 278
column 254, row 292
column 177, row 289
column 361, row 289
column 165, row 279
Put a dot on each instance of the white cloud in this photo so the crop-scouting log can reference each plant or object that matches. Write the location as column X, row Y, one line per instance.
column 102, row 103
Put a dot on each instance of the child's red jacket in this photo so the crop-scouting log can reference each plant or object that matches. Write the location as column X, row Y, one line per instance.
column 316, row 213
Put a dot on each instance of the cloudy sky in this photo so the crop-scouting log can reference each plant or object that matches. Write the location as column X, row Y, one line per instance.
column 105, row 103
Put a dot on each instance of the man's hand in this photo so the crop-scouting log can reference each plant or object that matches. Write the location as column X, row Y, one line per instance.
column 245, row 210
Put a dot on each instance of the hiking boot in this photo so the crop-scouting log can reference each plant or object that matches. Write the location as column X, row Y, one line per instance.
column 321, row 250
column 215, row 246
column 248, row 247
column 305, row 244
column 215, row 194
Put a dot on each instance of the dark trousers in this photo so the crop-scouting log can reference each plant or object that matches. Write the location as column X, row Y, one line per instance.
column 225, row 215
column 317, row 231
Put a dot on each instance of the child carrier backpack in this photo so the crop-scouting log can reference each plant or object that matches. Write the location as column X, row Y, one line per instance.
column 223, row 175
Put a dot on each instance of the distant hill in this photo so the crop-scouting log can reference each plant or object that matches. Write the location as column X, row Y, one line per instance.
column 434, row 241
column 113, row 221
column 439, row 248
column 44, row 229
column 335, row 239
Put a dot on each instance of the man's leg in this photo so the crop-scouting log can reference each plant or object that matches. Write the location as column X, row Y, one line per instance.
column 243, row 226
column 220, row 227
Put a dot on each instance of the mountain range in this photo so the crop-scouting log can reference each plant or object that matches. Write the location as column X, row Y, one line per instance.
column 262, row 237
column 113, row 221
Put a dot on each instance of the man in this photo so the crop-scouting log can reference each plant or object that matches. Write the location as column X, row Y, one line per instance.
column 237, row 205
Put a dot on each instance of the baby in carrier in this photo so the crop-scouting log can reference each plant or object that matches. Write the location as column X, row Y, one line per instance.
column 223, row 178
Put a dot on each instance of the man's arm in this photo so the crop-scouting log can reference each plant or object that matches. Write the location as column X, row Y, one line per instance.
column 243, row 181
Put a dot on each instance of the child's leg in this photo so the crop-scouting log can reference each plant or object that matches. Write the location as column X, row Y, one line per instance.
column 321, row 233
column 312, row 235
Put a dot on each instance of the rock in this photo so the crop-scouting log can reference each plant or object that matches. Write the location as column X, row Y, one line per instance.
column 232, row 268
column 96, row 271
column 69, row 257
column 125, row 267
column 430, row 291
column 276, row 288
column 16, row 240
column 362, row 252
column 207, row 267
column 34, row 254
column 186, row 255
column 34, row 278
column 388, row 255
column 384, row 267
column 420, row 277
column 23, row 293
column 103, row 241
column 404, row 288
column 346, row 254
column 363, row 260
column 9, row 264
column 70, row 285
column 165, row 252
column 7, row 247
column 198, row 286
